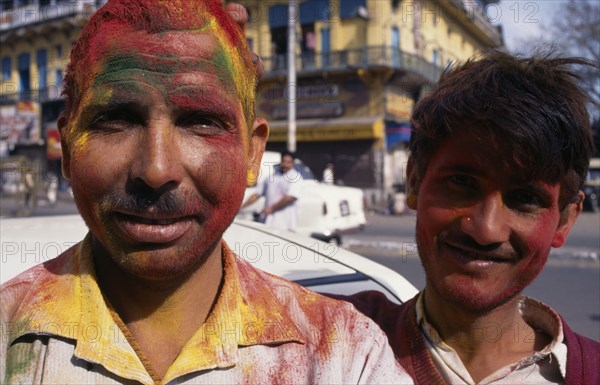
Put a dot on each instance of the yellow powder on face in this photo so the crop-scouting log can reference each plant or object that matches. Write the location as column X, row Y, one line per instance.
column 231, row 59
column 75, row 135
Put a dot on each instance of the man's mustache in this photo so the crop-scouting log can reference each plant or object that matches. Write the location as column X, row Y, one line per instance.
column 503, row 251
column 171, row 203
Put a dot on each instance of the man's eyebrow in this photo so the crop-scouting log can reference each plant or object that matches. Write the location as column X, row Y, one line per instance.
column 537, row 188
column 459, row 168
column 194, row 97
column 91, row 109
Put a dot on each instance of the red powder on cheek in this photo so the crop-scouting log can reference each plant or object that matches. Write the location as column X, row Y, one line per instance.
column 226, row 176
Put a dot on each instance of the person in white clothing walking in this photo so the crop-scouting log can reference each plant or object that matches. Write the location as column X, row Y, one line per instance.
column 281, row 192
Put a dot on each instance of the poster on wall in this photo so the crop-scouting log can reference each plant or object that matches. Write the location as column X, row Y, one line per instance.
column 19, row 124
column 53, row 147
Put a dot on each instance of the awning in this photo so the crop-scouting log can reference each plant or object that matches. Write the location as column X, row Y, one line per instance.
column 397, row 133
column 318, row 130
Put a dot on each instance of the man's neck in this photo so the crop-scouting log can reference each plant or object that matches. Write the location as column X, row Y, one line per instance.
column 162, row 316
column 486, row 341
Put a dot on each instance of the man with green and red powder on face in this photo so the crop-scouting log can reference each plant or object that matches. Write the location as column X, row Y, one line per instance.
column 159, row 142
column 499, row 153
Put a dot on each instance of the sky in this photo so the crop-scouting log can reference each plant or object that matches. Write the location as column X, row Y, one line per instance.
column 523, row 19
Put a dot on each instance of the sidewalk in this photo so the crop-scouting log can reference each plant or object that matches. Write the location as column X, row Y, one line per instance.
column 14, row 206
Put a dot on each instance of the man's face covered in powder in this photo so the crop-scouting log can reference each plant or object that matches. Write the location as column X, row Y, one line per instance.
column 159, row 155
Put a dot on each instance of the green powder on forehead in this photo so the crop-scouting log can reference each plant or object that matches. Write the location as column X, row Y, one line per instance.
column 224, row 64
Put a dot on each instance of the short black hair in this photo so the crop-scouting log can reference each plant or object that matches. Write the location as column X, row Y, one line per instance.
column 288, row 153
column 534, row 104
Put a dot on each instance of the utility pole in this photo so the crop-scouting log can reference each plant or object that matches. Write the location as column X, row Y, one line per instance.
column 292, row 86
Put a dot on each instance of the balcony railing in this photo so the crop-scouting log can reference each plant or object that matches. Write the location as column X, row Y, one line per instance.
column 366, row 57
column 34, row 14
column 40, row 95
column 476, row 14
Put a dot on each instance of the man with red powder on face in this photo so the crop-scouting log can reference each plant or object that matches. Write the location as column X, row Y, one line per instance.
column 499, row 153
column 159, row 143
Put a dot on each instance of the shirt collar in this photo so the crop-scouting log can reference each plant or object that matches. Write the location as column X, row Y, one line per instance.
column 535, row 313
column 65, row 301
column 542, row 317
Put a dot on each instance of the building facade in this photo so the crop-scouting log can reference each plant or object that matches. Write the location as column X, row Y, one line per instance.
column 36, row 37
column 361, row 66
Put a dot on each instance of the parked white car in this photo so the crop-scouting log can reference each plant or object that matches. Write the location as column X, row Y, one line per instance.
column 325, row 211
column 320, row 266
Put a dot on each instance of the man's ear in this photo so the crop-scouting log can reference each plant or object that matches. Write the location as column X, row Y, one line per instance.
column 412, row 184
column 66, row 150
column 568, row 216
column 256, row 148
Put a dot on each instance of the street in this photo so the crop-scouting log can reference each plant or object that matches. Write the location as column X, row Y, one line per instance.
column 570, row 282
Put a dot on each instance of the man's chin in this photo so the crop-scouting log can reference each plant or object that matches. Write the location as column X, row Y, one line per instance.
column 157, row 266
column 158, row 262
column 472, row 301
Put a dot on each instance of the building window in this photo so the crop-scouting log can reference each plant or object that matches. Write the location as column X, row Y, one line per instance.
column 350, row 8
column 23, row 63
column 395, row 46
column 325, row 46
column 314, row 10
column 58, row 50
column 278, row 16
column 6, row 5
column 6, row 68
column 42, row 64
column 250, row 43
column 59, row 78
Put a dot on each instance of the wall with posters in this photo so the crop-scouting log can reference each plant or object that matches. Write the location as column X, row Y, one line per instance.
column 19, row 124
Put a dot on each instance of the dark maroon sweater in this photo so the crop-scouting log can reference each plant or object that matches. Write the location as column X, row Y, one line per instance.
column 399, row 322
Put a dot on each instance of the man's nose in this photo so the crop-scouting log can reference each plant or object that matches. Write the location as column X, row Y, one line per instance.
column 157, row 164
column 487, row 221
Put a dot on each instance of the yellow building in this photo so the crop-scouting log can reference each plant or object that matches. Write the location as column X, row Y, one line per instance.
column 35, row 43
column 361, row 66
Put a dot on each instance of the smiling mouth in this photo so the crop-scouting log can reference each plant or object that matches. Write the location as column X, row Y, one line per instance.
column 153, row 230
column 472, row 257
